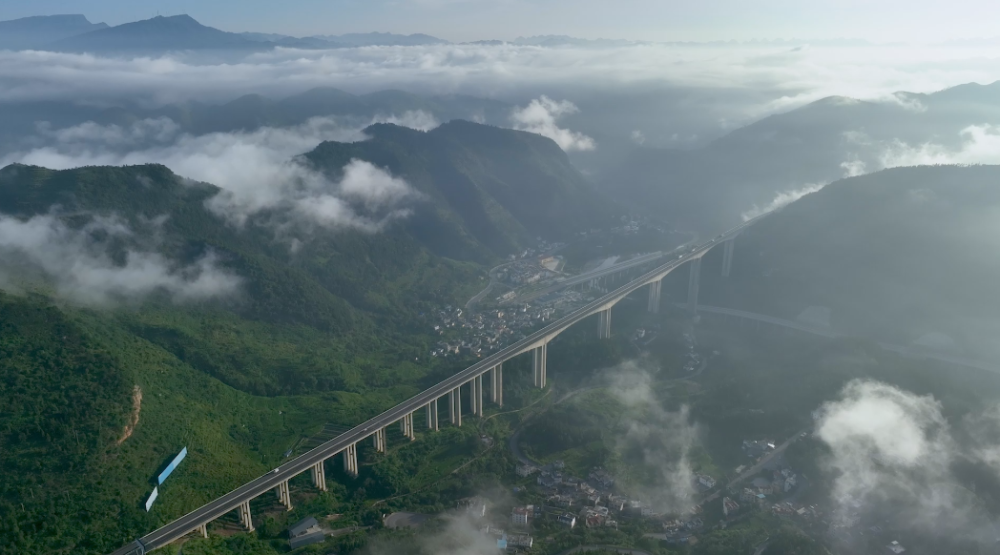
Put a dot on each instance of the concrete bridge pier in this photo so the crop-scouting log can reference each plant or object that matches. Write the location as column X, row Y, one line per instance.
column 455, row 406
column 202, row 530
column 473, row 402
column 284, row 495
column 379, row 436
column 246, row 519
column 319, row 475
column 727, row 256
column 692, row 303
column 604, row 324
column 654, row 296
column 540, row 354
column 351, row 460
column 477, row 386
column 432, row 415
column 496, row 387
column 406, row 426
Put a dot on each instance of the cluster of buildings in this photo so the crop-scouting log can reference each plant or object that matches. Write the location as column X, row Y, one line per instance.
column 527, row 271
column 682, row 531
column 485, row 332
column 508, row 541
column 541, row 249
column 571, row 500
column 757, row 448
column 643, row 336
column 692, row 358
column 704, row 482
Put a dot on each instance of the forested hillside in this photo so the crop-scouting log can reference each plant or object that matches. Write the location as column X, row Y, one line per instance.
column 320, row 326
column 896, row 254
column 486, row 186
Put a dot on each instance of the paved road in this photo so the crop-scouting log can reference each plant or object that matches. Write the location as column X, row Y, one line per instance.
column 293, row 467
column 595, row 274
column 756, row 467
column 493, row 281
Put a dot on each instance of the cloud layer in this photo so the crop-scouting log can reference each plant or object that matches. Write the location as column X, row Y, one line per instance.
column 257, row 170
column 665, row 438
column 771, row 78
column 978, row 144
column 541, row 116
column 79, row 263
column 892, row 453
column 781, row 199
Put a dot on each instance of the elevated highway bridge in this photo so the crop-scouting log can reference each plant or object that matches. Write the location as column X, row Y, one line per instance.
column 428, row 401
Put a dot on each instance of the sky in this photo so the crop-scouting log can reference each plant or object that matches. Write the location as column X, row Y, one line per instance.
column 657, row 20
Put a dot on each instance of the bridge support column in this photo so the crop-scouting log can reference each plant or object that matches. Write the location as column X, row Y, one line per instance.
column 351, row 459
column 727, row 256
column 477, row 384
column 654, row 296
column 202, row 530
column 496, row 384
column 540, row 354
column 246, row 519
column 379, row 436
column 432, row 415
column 284, row 496
column 604, row 324
column 692, row 303
column 473, row 402
column 319, row 475
column 455, row 404
column 406, row 424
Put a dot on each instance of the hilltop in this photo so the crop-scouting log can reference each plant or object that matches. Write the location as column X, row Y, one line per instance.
column 487, row 187
column 37, row 31
column 179, row 32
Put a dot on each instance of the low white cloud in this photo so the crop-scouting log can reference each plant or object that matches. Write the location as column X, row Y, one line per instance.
column 80, row 266
column 980, row 144
column 665, row 438
column 541, row 116
column 891, row 452
column 414, row 119
column 638, row 137
column 257, row 170
column 374, row 188
column 796, row 77
column 853, row 168
column 781, row 199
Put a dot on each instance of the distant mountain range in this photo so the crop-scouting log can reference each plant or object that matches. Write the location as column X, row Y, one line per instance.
column 39, row 31
column 74, row 33
column 381, row 39
column 818, row 143
column 248, row 112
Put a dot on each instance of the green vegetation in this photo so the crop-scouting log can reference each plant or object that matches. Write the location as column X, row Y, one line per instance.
column 895, row 255
column 478, row 199
column 326, row 334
